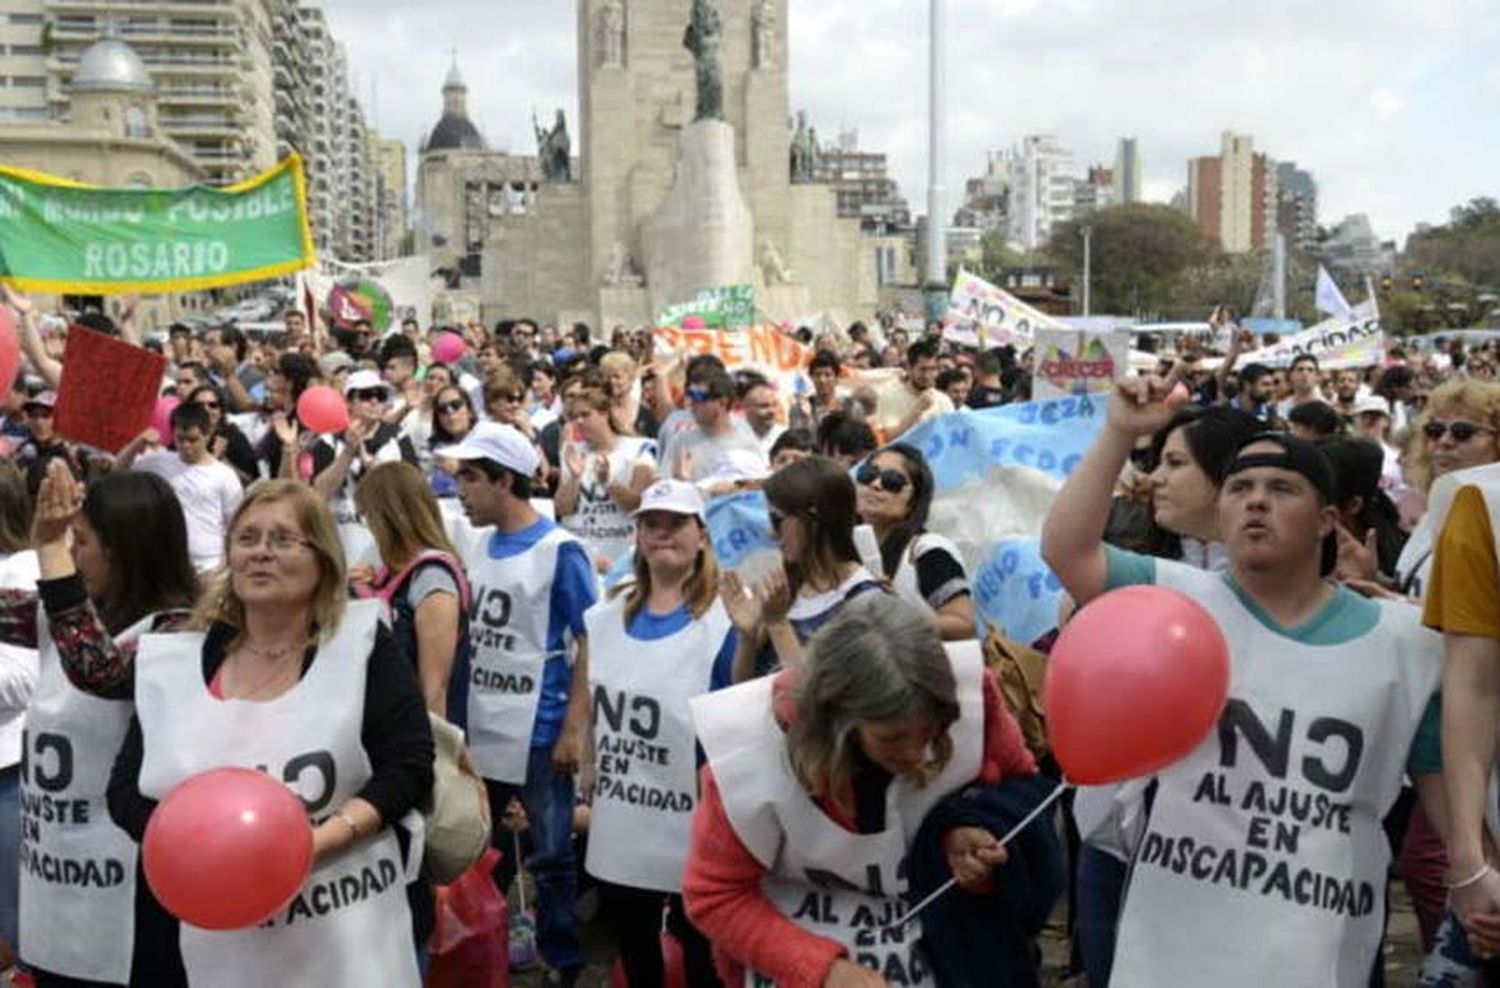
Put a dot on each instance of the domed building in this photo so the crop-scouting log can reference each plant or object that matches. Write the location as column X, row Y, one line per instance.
column 461, row 184
column 111, row 137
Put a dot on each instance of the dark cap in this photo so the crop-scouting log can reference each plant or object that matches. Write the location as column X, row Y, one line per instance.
column 1297, row 455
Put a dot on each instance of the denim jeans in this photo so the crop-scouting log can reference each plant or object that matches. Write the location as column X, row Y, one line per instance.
column 10, row 855
column 548, row 798
column 1101, row 884
column 1451, row 964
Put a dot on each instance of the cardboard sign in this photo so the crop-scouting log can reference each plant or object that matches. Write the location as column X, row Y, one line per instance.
column 1078, row 362
column 108, row 390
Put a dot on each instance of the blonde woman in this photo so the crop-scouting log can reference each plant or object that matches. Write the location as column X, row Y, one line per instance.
column 828, row 770
column 421, row 580
column 662, row 639
column 284, row 665
column 620, row 373
column 604, row 473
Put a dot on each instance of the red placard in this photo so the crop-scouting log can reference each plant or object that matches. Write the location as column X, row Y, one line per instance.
column 108, row 389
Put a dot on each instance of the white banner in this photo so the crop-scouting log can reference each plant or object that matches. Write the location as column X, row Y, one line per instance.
column 983, row 315
column 1335, row 342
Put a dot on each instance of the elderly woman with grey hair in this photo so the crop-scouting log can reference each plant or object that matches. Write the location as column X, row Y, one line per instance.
column 816, row 780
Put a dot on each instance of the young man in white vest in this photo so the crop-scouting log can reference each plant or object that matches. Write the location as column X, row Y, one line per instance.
column 528, row 691
column 1263, row 860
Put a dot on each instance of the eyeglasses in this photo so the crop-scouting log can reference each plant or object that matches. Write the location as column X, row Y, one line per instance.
column 278, row 541
column 36, row 411
column 777, row 517
column 891, row 481
column 449, row 407
column 1460, row 430
column 368, row 394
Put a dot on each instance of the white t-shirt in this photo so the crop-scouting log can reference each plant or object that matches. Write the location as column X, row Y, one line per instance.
column 209, row 492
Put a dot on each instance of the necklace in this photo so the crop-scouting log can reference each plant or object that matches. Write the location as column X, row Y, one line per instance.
column 271, row 684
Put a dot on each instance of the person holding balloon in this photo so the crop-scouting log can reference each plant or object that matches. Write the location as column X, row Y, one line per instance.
column 1263, row 860
column 817, row 781
column 288, row 677
column 114, row 565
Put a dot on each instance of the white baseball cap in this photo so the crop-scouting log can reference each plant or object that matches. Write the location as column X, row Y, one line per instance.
column 676, row 496
column 498, row 443
column 1372, row 403
column 364, row 380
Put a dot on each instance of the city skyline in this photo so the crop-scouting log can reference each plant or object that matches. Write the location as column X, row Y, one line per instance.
column 1368, row 97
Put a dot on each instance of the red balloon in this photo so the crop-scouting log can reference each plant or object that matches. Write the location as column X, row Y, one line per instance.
column 227, row 849
column 10, row 350
column 448, row 347
column 161, row 416
column 322, row 409
column 1135, row 681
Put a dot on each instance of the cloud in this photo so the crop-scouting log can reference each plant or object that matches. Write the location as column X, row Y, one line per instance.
column 1356, row 91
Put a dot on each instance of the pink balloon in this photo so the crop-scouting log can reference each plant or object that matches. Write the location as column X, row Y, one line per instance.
column 694, row 322
column 10, row 351
column 322, row 409
column 448, row 347
column 1135, row 681
column 161, row 416
column 227, row 849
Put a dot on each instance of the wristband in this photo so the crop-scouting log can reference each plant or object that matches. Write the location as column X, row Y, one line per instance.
column 1473, row 879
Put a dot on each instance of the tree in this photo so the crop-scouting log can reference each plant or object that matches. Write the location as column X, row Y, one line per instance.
column 998, row 255
column 1140, row 254
column 1466, row 250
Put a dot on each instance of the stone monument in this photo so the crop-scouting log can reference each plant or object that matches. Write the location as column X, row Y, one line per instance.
column 683, row 182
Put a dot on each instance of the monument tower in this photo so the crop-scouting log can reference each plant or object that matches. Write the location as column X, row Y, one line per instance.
column 666, row 199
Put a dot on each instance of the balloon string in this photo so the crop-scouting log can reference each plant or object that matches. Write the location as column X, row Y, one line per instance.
column 937, row 893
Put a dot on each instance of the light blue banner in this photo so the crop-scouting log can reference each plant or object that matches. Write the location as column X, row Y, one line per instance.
column 1012, row 587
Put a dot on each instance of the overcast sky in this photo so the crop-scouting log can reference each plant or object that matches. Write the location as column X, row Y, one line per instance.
column 1394, row 105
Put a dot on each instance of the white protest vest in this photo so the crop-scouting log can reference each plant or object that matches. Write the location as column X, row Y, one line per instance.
column 1264, row 861
column 846, row 887
column 349, row 924
column 77, row 868
column 904, row 582
column 644, row 752
column 604, row 527
column 508, row 633
column 359, row 544
column 18, row 571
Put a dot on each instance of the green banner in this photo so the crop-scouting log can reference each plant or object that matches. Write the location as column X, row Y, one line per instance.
column 719, row 308
column 59, row 236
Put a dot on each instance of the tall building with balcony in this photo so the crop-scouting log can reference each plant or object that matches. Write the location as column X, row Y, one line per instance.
column 1126, row 175
column 211, row 60
column 864, row 186
column 1297, row 205
column 1232, row 197
column 388, row 172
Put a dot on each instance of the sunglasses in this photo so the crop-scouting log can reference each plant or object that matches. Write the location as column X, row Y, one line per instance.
column 698, row 394
column 891, row 481
column 449, row 407
column 1461, row 431
column 777, row 517
column 368, row 394
column 511, row 396
column 208, row 404
column 37, row 411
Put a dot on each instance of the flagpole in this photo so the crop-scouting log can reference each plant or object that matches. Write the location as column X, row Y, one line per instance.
column 937, row 252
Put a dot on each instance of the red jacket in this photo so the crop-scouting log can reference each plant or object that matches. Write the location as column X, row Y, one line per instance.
column 721, row 883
